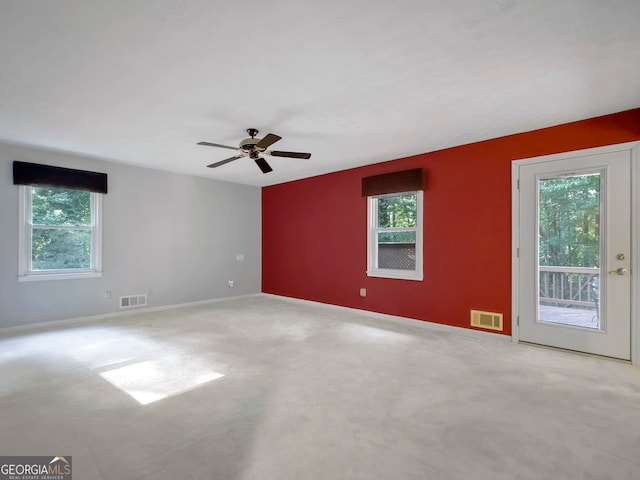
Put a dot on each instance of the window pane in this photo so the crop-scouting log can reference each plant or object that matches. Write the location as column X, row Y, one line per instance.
column 60, row 249
column 397, row 211
column 397, row 250
column 569, row 250
column 58, row 206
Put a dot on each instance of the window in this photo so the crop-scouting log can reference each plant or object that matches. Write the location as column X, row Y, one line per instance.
column 60, row 233
column 395, row 236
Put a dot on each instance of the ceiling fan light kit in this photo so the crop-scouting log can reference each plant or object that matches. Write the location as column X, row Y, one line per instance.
column 254, row 147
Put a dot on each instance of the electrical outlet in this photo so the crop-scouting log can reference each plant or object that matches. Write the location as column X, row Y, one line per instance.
column 363, row 292
column 230, row 283
column 240, row 257
column 107, row 295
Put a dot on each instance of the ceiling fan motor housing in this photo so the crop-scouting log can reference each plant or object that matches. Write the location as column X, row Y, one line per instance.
column 249, row 144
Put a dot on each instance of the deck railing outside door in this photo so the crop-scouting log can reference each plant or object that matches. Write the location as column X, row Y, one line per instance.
column 569, row 286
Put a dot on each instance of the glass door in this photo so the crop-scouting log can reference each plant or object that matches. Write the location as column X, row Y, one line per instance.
column 574, row 224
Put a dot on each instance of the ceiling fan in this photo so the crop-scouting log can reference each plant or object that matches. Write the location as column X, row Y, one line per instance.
column 254, row 147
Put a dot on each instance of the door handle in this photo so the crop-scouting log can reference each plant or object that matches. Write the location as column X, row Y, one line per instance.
column 619, row 271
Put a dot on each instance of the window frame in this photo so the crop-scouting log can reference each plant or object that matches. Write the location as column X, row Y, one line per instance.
column 25, row 229
column 372, row 239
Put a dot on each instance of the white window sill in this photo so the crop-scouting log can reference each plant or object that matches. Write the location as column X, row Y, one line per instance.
column 37, row 277
column 397, row 274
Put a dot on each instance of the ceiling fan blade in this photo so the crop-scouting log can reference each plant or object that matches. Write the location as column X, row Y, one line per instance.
column 263, row 165
column 209, row 144
column 268, row 140
column 217, row 164
column 276, row 153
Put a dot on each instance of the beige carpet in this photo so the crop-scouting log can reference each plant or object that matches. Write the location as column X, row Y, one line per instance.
column 261, row 388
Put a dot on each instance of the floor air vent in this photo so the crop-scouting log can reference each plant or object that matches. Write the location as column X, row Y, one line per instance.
column 490, row 320
column 133, row 301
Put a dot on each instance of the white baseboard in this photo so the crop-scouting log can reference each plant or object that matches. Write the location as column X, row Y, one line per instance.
column 8, row 331
column 397, row 319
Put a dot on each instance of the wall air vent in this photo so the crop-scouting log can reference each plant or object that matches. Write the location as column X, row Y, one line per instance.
column 490, row 320
column 132, row 301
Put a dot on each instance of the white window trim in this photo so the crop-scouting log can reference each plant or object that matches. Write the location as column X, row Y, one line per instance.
column 372, row 244
column 25, row 274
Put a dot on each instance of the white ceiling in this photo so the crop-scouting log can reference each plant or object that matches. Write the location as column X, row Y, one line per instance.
column 352, row 82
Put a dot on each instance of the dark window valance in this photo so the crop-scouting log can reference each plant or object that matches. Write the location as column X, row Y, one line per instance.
column 47, row 176
column 405, row 181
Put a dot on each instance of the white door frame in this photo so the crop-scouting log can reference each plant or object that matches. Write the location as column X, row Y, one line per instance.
column 634, row 147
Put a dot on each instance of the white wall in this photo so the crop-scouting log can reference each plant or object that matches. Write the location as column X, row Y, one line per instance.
column 171, row 235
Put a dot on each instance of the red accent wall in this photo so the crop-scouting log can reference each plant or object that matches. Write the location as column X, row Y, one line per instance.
column 314, row 231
